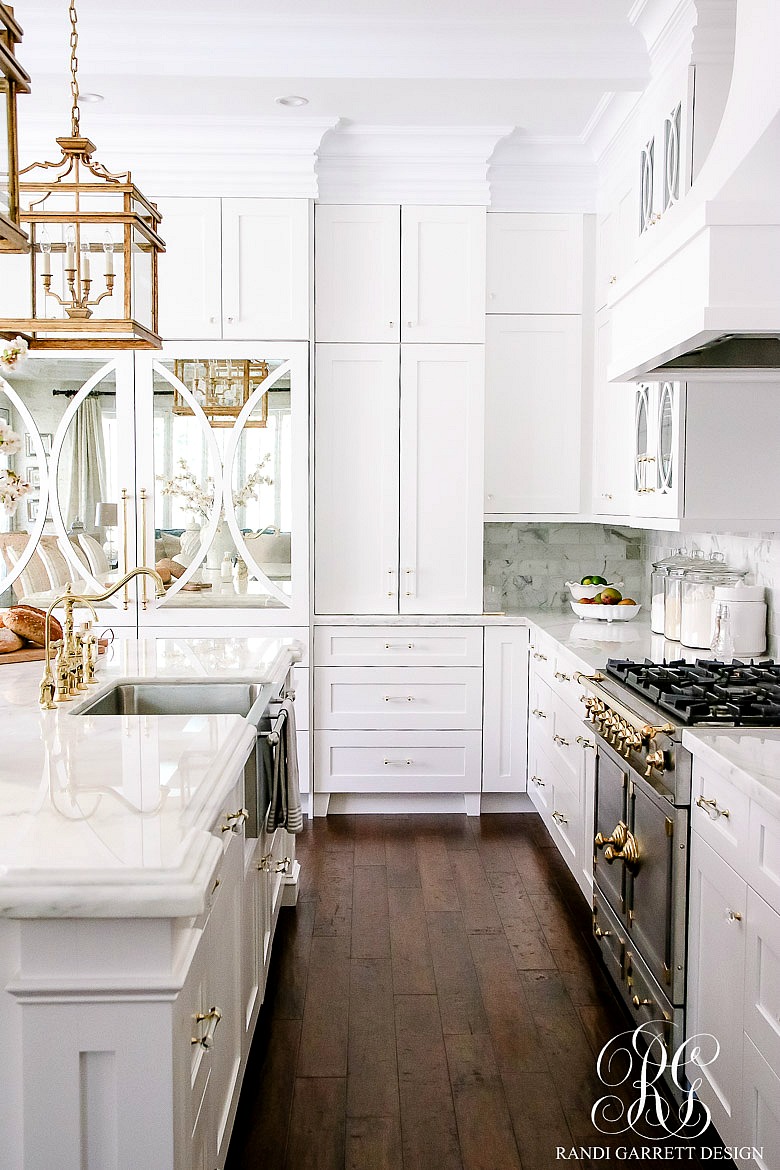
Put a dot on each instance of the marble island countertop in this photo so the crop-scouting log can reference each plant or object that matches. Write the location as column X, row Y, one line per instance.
column 111, row 815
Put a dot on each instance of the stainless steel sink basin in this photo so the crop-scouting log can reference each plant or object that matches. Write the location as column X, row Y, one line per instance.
column 163, row 698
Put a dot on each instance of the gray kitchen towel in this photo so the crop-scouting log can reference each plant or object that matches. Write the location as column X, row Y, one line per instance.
column 285, row 808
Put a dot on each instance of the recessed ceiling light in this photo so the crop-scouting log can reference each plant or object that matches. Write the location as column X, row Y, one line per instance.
column 90, row 97
column 292, row 99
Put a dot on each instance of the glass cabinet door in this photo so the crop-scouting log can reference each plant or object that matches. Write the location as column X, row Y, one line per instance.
column 223, row 473
column 642, row 454
column 665, row 470
column 75, row 520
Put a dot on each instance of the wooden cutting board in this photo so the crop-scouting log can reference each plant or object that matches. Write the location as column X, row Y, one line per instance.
column 31, row 654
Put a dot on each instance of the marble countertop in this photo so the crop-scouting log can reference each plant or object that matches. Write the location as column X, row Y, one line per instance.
column 111, row 816
column 749, row 757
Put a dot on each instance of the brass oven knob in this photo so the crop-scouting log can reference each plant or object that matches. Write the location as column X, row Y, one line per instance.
column 638, row 1003
column 654, row 759
column 649, row 732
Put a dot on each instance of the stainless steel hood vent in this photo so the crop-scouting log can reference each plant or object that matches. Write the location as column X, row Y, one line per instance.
column 734, row 351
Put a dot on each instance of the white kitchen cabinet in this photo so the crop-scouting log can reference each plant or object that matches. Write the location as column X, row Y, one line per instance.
column 357, row 273
column 379, row 497
column 716, row 926
column 659, row 447
column 613, row 414
column 356, row 488
column 733, row 914
column 533, row 392
column 534, row 263
column 441, row 475
column 443, row 274
column 190, row 282
column 505, row 714
column 235, row 268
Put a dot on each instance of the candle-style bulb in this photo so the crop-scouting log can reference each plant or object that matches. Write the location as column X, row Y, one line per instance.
column 108, row 249
column 45, row 246
column 85, row 271
column 70, row 249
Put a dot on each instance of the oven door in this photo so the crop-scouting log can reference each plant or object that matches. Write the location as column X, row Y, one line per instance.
column 640, row 866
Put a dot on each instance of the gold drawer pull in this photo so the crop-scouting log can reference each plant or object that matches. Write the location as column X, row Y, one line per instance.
column 638, row 1003
column 539, row 783
column 234, row 821
column 559, row 674
column 211, row 1018
column 563, row 742
column 599, row 933
column 584, row 742
column 559, row 818
column 711, row 808
column 539, row 713
column 399, row 698
column 541, row 657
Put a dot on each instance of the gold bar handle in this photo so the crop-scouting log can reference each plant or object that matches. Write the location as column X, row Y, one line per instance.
column 144, row 592
column 234, row 821
column 125, row 497
column 712, row 808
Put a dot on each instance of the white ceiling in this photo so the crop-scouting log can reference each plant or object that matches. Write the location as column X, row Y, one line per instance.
column 540, row 64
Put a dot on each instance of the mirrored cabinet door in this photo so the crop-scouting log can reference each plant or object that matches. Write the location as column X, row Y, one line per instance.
column 222, row 482
column 67, row 480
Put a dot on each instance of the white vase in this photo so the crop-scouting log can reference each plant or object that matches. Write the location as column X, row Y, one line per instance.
column 190, row 543
column 222, row 543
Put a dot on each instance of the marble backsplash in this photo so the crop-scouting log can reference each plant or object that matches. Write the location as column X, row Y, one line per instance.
column 758, row 552
column 531, row 563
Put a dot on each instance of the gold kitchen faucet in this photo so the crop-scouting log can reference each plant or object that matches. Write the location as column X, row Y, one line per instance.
column 74, row 666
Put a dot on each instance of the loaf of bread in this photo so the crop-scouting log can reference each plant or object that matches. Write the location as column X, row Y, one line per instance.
column 29, row 623
column 9, row 641
column 168, row 568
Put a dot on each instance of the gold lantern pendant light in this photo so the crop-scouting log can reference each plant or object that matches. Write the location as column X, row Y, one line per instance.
column 93, row 247
column 13, row 80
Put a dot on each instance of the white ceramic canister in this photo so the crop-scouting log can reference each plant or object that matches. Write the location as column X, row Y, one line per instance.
column 747, row 616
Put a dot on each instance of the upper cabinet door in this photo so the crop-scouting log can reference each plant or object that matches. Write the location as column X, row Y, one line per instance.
column 442, row 410
column 534, row 386
column 534, row 263
column 190, row 289
column 265, row 268
column 443, row 274
column 357, row 276
column 356, row 479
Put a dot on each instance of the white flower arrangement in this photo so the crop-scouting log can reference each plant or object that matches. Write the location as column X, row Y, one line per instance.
column 12, row 486
column 199, row 498
column 13, row 354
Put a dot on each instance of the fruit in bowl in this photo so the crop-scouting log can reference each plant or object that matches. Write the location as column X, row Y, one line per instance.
column 611, row 596
column 614, row 611
column 594, row 588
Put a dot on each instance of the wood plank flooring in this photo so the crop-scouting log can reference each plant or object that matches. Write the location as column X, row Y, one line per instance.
column 436, row 1002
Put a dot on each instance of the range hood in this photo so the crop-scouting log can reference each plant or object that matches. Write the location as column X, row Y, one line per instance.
column 703, row 296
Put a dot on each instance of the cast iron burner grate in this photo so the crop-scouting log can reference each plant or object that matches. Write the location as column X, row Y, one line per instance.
column 742, row 694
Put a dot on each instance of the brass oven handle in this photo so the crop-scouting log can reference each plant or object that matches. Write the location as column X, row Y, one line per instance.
column 618, row 838
column 628, row 852
column 712, row 808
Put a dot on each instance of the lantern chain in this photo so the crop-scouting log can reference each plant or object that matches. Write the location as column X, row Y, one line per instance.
column 74, row 64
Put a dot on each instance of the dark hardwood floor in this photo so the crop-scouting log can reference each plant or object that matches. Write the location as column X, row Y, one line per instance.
column 436, row 1002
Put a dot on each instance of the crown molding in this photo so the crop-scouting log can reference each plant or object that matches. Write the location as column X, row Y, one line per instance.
column 542, row 174
column 402, row 164
column 216, row 156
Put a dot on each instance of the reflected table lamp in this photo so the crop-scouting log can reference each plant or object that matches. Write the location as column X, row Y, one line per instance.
column 106, row 517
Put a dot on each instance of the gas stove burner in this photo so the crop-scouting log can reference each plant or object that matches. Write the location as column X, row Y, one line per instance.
column 742, row 694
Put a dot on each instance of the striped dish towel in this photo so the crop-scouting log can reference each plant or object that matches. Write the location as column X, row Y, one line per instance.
column 285, row 807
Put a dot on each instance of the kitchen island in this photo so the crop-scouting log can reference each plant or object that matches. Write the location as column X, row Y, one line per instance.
column 136, row 916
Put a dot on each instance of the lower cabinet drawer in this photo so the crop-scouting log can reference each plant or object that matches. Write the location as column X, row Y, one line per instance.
column 397, row 646
column 395, row 697
column 409, row 761
column 760, row 1110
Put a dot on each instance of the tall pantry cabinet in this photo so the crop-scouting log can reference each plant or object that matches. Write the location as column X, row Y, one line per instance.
column 398, row 487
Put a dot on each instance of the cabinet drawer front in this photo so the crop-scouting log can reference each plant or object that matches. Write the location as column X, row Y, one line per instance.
column 762, row 978
column 397, row 646
column 396, row 697
column 411, row 761
column 764, row 854
column 565, row 682
column 566, row 728
column 719, row 813
column 760, row 1119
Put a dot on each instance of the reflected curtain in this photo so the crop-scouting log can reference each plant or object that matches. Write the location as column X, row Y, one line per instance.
column 87, row 463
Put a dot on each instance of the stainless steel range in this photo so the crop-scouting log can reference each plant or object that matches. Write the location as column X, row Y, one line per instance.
column 643, row 796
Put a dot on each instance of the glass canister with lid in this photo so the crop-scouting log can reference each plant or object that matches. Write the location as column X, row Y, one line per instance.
column 672, row 582
column 677, row 557
column 698, row 594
